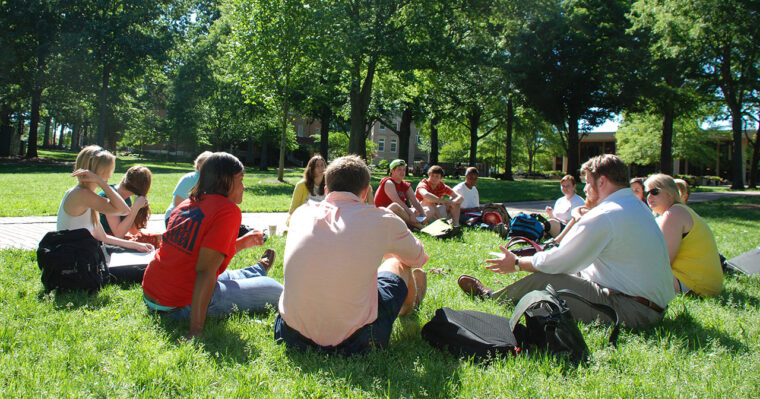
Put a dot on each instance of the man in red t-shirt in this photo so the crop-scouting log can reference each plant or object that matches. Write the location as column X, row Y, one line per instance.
column 431, row 192
column 395, row 194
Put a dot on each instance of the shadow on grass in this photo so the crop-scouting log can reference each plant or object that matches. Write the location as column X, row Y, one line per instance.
column 224, row 345
column 696, row 335
column 73, row 300
column 737, row 299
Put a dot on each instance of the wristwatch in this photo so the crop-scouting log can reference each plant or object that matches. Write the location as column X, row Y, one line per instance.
column 517, row 264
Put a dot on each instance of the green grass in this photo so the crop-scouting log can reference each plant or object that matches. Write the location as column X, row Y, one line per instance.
column 37, row 188
column 74, row 345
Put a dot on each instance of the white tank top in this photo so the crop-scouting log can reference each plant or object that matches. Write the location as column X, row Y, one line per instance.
column 68, row 222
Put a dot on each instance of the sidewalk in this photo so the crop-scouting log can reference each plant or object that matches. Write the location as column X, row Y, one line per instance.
column 26, row 232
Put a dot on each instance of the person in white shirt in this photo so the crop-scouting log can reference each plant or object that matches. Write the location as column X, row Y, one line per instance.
column 614, row 255
column 470, row 206
column 562, row 211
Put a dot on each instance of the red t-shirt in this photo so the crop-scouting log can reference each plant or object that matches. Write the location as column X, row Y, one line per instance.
column 439, row 191
column 212, row 223
column 382, row 199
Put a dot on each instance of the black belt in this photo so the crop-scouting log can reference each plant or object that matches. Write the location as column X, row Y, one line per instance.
column 645, row 302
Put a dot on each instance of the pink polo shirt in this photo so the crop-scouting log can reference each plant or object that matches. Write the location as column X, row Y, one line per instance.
column 332, row 253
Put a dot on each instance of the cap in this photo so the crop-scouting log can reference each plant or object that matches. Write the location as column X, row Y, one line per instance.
column 397, row 162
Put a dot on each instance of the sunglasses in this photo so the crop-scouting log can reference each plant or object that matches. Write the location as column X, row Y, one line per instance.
column 653, row 191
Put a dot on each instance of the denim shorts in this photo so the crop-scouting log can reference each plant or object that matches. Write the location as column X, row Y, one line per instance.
column 391, row 294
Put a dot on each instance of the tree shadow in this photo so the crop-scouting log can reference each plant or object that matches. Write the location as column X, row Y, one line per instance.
column 697, row 336
column 73, row 300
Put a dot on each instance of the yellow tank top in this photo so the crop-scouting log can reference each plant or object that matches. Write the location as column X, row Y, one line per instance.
column 697, row 264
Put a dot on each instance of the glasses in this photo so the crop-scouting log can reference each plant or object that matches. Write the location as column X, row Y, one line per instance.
column 653, row 191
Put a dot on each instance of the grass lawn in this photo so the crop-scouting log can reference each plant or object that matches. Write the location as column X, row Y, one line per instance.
column 107, row 345
column 37, row 188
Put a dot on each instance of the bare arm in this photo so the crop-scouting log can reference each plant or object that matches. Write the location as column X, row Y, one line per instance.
column 427, row 195
column 413, row 199
column 101, row 235
column 82, row 199
column 390, row 190
column 506, row 263
column 208, row 263
column 119, row 228
column 253, row 238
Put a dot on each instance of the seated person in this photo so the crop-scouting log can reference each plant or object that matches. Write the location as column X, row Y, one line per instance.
column 136, row 182
column 188, row 279
column 80, row 205
column 335, row 296
column 185, row 184
column 637, row 186
column 431, row 193
column 470, row 206
column 562, row 211
column 691, row 245
column 396, row 194
column 683, row 189
column 311, row 187
column 614, row 255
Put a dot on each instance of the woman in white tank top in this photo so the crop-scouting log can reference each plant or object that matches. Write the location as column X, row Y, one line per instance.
column 80, row 205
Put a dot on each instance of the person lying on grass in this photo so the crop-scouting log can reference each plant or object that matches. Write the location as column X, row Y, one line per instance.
column 614, row 255
column 432, row 193
column 136, row 182
column 396, row 195
column 80, row 205
column 335, row 298
column 188, row 278
column 691, row 246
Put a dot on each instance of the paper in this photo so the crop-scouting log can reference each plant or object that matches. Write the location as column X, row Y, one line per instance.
column 420, row 218
column 131, row 258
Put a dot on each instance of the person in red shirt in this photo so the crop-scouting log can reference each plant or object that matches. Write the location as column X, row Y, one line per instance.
column 396, row 195
column 188, row 278
column 431, row 192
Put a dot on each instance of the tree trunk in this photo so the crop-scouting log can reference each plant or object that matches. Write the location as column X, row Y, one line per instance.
column 325, row 115
column 737, row 176
column 76, row 130
column 359, row 100
column 755, row 158
column 264, row 158
column 474, row 120
column 102, row 105
column 666, row 144
column 434, row 138
column 6, row 130
column 46, row 137
column 34, row 123
column 573, row 144
column 508, row 155
column 16, row 143
column 404, row 133
column 281, row 164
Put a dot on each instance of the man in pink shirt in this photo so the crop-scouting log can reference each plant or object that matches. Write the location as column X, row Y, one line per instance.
column 335, row 297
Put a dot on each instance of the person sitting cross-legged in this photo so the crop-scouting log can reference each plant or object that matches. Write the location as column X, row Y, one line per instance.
column 470, row 206
column 614, row 255
column 350, row 268
column 432, row 193
column 396, row 194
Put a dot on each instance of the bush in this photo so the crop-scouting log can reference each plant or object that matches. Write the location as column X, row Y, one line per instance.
column 383, row 165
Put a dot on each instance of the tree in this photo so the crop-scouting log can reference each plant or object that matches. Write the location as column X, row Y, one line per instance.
column 271, row 57
column 572, row 62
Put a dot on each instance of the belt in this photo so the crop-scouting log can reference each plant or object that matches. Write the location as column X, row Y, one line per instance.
column 645, row 302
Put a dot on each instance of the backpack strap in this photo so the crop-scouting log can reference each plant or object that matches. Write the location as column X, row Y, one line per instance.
column 608, row 310
column 527, row 301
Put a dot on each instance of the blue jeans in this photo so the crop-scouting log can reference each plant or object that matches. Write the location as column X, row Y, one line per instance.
column 241, row 289
column 391, row 294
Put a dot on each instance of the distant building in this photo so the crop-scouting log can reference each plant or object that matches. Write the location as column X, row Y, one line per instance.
column 388, row 143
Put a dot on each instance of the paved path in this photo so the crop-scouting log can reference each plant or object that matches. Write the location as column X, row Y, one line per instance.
column 26, row 232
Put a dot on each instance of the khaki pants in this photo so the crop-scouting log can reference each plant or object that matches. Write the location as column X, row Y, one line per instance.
column 631, row 313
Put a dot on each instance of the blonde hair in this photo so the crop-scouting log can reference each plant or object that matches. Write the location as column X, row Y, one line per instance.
column 666, row 184
column 95, row 159
column 683, row 188
column 201, row 159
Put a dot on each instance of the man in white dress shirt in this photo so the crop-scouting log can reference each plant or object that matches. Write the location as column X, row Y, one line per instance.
column 614, row 255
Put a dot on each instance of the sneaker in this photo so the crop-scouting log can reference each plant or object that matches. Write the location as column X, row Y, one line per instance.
column 501, row 229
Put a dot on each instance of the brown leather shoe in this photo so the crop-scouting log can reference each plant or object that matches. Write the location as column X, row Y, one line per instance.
column 267, row 259
column 473, row 287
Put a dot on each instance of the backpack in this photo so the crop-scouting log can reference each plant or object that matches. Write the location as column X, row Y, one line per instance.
column 549, row 324
column 495, row 213
column 531, row 248
column 470, row 333
column 441, row 228
column 523, row 225
column 72, row 260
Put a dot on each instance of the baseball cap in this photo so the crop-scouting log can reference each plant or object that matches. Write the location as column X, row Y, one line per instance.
column 397, row 162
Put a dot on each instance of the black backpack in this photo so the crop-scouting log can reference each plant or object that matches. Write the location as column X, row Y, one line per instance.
column 549, row 326
column 72, row 260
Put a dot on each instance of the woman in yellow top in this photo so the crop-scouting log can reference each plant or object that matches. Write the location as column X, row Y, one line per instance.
column 311, row 187
column 691, row 245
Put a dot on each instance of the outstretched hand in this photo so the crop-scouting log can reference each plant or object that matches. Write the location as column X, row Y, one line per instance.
column 503, row 263
column 144, row 247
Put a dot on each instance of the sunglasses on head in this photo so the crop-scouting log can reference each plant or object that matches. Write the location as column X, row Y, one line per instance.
column 653, row 191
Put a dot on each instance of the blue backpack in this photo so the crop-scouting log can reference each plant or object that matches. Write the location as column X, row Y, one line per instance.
column 528, row 226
